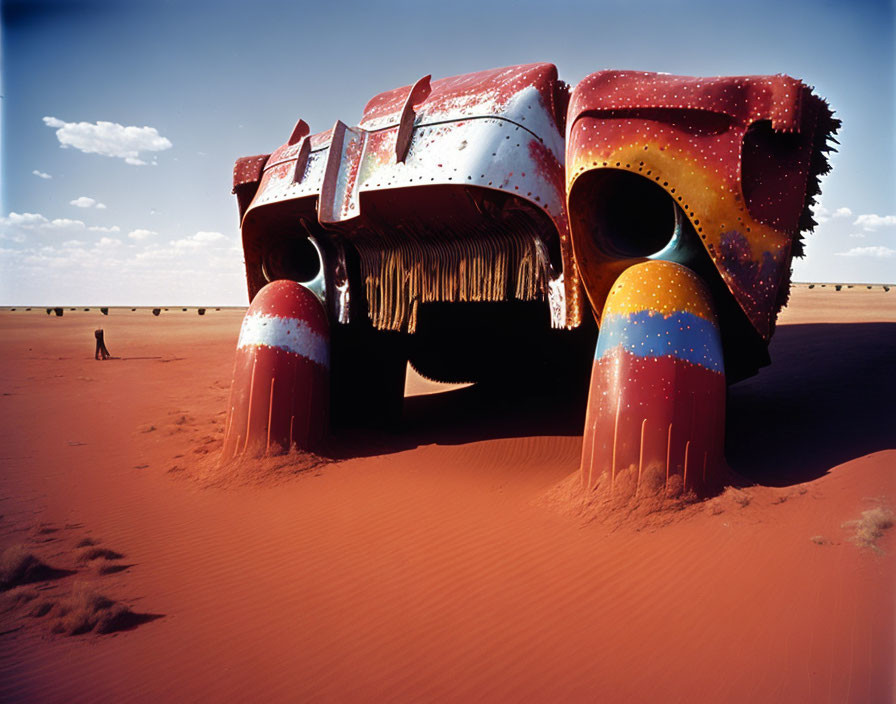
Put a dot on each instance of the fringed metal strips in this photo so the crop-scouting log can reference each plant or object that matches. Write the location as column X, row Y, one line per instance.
column 498, row 130
column 405, row 268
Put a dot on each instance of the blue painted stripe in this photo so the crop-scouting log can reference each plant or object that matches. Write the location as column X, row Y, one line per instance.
column 651, row 334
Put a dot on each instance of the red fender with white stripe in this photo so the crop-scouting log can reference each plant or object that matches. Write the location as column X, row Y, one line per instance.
column 279, row 397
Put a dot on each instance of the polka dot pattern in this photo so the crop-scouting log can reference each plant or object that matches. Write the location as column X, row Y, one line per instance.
column 248, row 169
column 689, row 136
column 650, row 334
column 660, row 287
column 659, row 309
column 499, row 129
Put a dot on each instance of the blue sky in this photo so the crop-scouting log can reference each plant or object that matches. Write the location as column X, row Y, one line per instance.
column 198, row 84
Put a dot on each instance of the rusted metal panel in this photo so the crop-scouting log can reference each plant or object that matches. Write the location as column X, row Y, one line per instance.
column 491, row 92
column 497, row 130
column 247, row 173
column 248, row 169
column 693, row 138
column 279, row 182
column 338, row 200
column 420, row 91
column 502, row 130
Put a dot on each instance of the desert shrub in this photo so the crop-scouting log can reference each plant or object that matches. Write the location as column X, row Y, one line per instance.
column 19, row 566
column 96, row 553
column 870, row 527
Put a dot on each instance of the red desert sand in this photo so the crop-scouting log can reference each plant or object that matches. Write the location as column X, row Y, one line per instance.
column 453, row 560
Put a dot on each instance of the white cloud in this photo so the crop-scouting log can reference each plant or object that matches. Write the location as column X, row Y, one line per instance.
column 209, row 271
column 24, row 219
column 141, row 234
column 109, row 139
column 19, row 227
column 41, row 174
column 822, row 214
column 871, row 222
column 198, row 240
column 35, row 222
column 857, row 235
column 85, row 202
column 203, row 236
column 194, row 248
column 876, row 252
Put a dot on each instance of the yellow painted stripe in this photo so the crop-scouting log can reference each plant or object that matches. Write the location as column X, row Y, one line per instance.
column 663, row 287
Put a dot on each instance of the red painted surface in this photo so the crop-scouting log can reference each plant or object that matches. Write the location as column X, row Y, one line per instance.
column 299, row 132
column 416, row 95
column 248, row 169
column 500, row 129
column 683, row 405
column 656, row 405
column 483, row 92
column 278, row 398
column 741, row 155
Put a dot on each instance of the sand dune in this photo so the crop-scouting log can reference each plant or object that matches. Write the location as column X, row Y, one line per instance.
column 436, row 563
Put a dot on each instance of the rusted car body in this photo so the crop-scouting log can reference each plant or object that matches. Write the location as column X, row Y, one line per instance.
column 479, row 225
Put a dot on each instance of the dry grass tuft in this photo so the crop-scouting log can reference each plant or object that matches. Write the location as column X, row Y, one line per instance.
column 622, row 501
column 870, row 527
column 18, row 596
column 83, row 611
column 95, row 553
column 103, row 566
column 18, row 566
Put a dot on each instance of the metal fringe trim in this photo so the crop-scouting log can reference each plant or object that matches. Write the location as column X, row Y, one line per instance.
column 420, row 264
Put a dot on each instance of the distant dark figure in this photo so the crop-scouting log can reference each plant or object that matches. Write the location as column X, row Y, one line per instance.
column 201, row 311
column 104, row 311
column 58, row 312
column 101, row 351
column 156, row 311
